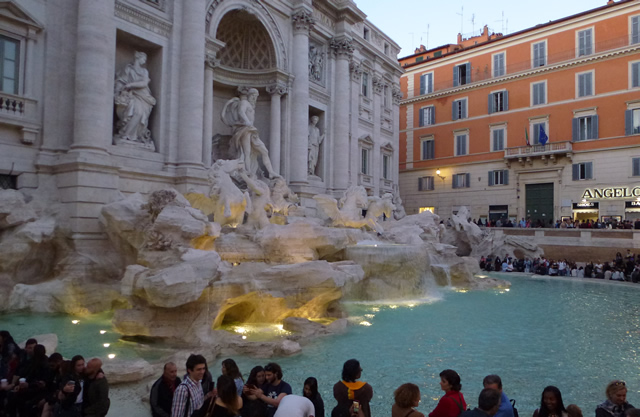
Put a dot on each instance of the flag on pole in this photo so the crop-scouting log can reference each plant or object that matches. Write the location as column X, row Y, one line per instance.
column 526, row 135
column 543, row 136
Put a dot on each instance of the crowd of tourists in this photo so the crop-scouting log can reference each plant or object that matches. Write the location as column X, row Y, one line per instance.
column 611, row 223
column 621, row 268
column 34, row 385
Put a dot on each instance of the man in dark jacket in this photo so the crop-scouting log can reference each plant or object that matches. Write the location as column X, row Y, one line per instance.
column 95, row 402
column 162, row 391
column 488, row 404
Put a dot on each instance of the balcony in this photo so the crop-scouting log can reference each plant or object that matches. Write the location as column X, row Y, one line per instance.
column 20, row 112
column 548, row 152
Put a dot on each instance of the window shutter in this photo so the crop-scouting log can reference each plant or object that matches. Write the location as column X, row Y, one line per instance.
column 588, row 170
column 628, row 122
column 635, row 170
column 490, row 178
column 454, row 110
column 455, row 77
column 581, row 43
column 490, row 103
column 506, row 177
column 576, row 171
column 589, row 84
column 505, row 100
column 422, row 84
column 421, row 122
column 463, row 108
column 594, row 127
column 581, row 90
column 635, row 29
column 420, row 184
column 587, row 40
column 467, row 178
column 468, row 73
column 635, row 74
column 576, row 129
column 454, row 183
column 433, row 115
column 429, row 83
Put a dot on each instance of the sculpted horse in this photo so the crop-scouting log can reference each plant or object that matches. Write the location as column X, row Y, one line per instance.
column 379, row 206
column 230, row 203
column 348, row 211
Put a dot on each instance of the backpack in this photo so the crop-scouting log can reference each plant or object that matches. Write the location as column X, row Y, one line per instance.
column 515, row 410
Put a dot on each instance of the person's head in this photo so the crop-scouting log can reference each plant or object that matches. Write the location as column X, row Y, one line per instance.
column 551, row 401
column 170, row 371
column 492, row 381
column 310, row 389
column 450, row 380
column 351, row 370
column 141, row 57
column 574, row 411
column 256, row 376
column 617, row 392
column 489, row 401
column 93, row 367
column 30, row 346
column 5, row 338
column 407, row 395
column 228, row 393
column 314, row 119
column 632, row 412
column 77, row 365
column 272, row 373
column 39, row 354
column 252, row 95
column 196, row 366
column 229, row 367
column 55, row 360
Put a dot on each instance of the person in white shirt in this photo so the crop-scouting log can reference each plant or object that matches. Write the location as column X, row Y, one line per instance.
column 295, row 406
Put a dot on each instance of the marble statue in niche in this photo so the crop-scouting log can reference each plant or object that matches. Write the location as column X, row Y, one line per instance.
column 315, row 140
column 239, row 113
column 316, row 63
column 134, row 103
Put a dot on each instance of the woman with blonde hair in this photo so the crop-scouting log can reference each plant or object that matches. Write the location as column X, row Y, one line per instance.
column 407, row 396
column 616, row 403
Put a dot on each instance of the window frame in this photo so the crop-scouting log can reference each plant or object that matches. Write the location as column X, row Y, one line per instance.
column 460, row 133
column 463, row 111
column 365, row 156
column 424, row 153
column 631, row 74
column 430, row 183
column 364, row 85
column 457, row 81
column 631, row 34
column 424, row 88
column 422, row 119
column 577, row 168
column 630, row 129
column 455, row 180
column 533, row 57
column 17, row 62
column 387, row 161
column 635, row 166
column 501, row 174
column 491, row 105
column 532, row 92
column 592, row 86
column 500, row 127
column 534, row 134
column 504, row 64
column 592, row 43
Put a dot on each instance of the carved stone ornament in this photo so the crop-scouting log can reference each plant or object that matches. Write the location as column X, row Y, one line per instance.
column 303, row 21
column 397, row 96
column 342, row 47
column 378, row 84
column 211, row 61
column 355, row 70
column 277, row 88
column 316, row 63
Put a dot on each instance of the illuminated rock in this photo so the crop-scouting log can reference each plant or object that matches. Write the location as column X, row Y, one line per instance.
column 120, row 371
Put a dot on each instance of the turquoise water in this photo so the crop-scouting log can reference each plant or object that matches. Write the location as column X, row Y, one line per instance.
column 574, row 335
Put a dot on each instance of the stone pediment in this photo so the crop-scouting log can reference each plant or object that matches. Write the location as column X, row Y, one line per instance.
column 12, row 11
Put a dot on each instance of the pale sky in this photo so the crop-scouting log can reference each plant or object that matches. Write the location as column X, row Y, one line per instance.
column 407, row 22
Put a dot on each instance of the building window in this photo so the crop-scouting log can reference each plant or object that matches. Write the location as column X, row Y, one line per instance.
column 499, row 67
column 583, row 171
column 632, row 122
column 386, row 167
column 585, row 42
column 635, row 167
column 585, row 127
column 365, row 33
column 386, row 49
column 461, row 181
column 635, row 29
column 584, row 85
column 498, row 101
column 499, row 177
column 420, row 59
column 497, row 139
column 539, row 54
column 538, row 93
column 428, row 149
column 429, row 209
column 425, row 184
column 9, row 51
column 536, row 129
column 635, row 74
column 459, row 109
column 364, row 165
column 385, row 96
column 461, row 144
column 461, row 74
column 365, row 84
column 427, row 116
column 8, row 182
column 426, row 83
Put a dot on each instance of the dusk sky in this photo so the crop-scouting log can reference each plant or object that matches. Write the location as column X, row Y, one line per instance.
column 408, row 21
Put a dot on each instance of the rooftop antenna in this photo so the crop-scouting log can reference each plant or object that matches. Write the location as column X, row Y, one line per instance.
column 506, row 27
column 427, row 36
column 461, row 14
column 473, row 23
column 502, row 22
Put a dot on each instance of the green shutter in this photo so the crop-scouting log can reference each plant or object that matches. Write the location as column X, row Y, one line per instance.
column 490, row 178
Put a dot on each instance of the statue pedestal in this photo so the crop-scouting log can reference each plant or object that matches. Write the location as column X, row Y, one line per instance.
column 120, row 141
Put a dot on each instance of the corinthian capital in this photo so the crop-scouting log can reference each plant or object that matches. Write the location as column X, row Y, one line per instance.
column 277, row 88
column 342, row 47
column 302, row 21
column 211, row 61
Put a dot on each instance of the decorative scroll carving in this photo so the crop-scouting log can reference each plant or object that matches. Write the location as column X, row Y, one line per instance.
column 342, row 47
column 355, row 70
column 211, row 61
column 397, row 96
column 303, row 21
column 278, row 88
column 378, row 84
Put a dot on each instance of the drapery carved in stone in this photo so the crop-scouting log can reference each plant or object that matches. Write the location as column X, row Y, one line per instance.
column 316, row 63
column 248, row 44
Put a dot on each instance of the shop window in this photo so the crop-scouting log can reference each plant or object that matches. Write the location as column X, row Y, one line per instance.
column 425, row 184
column 498, row 101
column 538, row 93
column 427, row 116
column 461, row 143
column 583, row 171
column 585, row 42
column 499, row 177
column 459, row 109
column 584, row 84
column 461, row 180
column 8, row 182
column 428, row 150
column 429, row 209
column 632, row 122
column 461, row 74
column 539, row 54
column 585, row 128
column 426, row 83
column 635, row 167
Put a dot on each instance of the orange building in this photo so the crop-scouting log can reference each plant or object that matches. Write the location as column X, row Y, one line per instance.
column 543, row 123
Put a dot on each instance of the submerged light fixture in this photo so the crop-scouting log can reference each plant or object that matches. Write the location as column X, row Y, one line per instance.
column 75, row 321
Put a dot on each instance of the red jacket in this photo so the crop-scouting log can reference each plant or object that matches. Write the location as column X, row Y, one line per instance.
column 450, row 405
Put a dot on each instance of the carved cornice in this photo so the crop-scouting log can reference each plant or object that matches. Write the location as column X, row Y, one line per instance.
column 342, row 47
column 303, row 21
column 355, row 70
column 136, row 16
column 279, row 87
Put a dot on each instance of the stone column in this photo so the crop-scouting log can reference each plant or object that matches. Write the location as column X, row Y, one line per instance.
column 343, row 49
column 95, row 57
column 356, row 75
column 302, row 24
column 191, row 92
column 207, row 131
column 397, row 96
column 30, row 67
column 275, row 138
column 376, row 166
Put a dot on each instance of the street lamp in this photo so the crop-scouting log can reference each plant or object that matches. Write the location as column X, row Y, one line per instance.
column 438, row 174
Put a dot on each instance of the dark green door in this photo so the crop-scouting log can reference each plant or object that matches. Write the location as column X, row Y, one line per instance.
column 539, row 203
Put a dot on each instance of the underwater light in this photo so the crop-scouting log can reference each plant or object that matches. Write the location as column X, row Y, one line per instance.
column 244, row 337
column 111, row 355
column 365, row 323
column 369, row 316
column 75, row 321
column 103, row 331
column 106, row 344
column 393, row 306
column 241, row 330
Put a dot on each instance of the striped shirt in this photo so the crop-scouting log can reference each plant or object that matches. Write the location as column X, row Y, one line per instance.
column 188, row 389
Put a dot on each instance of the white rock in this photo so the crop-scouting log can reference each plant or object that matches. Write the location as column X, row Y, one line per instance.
column 120, row 371
column 14, row 210
column 289, row 347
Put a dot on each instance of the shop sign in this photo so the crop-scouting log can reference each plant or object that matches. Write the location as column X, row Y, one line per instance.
column 611, row 192
column 586, row 205
column 632, row 204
